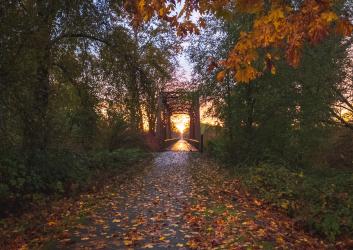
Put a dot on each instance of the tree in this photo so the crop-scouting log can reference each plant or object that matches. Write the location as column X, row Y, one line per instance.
column 285, row 116
column 279, row 27
column 46, row 33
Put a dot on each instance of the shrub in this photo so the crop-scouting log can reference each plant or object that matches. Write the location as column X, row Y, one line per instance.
column 117, row 158
column 12, row 178
column 56, row 173
column 321, row 200
column 217, row 149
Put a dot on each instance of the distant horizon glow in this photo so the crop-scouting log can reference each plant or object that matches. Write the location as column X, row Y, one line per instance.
column 180, row 122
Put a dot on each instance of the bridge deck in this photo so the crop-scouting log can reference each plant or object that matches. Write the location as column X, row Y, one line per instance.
column 182, row 145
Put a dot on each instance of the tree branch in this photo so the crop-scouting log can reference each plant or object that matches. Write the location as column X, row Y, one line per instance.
column 79, row 35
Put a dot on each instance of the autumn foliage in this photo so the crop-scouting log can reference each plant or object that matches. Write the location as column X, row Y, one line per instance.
column 280, row 29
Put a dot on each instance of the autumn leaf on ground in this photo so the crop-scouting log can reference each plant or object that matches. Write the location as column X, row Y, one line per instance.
column 148, row 245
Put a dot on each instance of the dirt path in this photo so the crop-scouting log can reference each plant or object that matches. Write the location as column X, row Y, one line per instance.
column 182, row 145
column 180, row 201
column 146, row 212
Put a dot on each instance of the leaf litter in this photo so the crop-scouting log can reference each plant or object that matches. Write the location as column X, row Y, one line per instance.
column 178, row 201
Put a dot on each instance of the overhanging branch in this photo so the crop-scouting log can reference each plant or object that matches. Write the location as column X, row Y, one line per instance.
column 79, row 35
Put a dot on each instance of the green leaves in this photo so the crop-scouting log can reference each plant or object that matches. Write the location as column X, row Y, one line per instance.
column 313, row 199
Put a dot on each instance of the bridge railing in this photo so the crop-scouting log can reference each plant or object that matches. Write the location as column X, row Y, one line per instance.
column 167, row 143
column 197, row 144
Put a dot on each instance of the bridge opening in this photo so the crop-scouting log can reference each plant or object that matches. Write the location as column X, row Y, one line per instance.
column 178, row 121
column 180, row 125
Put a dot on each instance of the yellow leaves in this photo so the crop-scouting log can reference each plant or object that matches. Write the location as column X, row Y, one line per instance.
column 257, row 202
column 52, row 223
column 280, row 26
column 220, row 76
column 116, row 220
column 280, row 241
column 273, row 70
column 244, row 43
column 192, row 244
column 285, row 204
column 261, row 232
column 24, row 247
column 246, row 74
column 250, row 56
column 270, row 29
column 148, row 245
column 128, row 242
column 329, row 16
column 180, row 245
column 141, row 5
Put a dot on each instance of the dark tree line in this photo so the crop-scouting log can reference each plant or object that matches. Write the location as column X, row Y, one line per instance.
column 288, row 115
column 75, row 79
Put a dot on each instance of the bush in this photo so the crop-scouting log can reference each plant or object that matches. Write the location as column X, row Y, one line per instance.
column 117, row 158
column 217, row 148
column 12, row 178
column 321, row 200
column 57, row 173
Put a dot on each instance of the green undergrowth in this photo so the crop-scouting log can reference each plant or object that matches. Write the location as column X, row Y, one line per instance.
column 319, row 199
column 59, row 173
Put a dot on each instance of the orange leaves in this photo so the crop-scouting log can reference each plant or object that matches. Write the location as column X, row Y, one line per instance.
column 187, row 27
column 250, row 6
column 128, row 242
column 318, row 30
column 280, row 241
column 148, row 245
column 280, row 26
column 143, row 10
column 246, row 74
column 52, row 223
column 319, row 27
column 329, row 16
column 220, row 76
column 344, row 27
column 293, row 55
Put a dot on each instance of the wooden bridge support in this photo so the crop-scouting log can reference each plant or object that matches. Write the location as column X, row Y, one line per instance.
column 191, row 125
column 160, row 127
column 168, row 126
column 165, row 111
column 195, row 124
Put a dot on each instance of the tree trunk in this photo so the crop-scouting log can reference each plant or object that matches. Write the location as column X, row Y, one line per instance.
column 36, row 125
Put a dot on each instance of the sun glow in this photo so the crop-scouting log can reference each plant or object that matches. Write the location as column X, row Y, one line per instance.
column 181, row 127
column 180, row 122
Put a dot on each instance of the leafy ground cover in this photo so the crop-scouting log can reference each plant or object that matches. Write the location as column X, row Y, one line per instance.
column 318, row 199
column 87, row 175
column 178, row 201
column 58, row 174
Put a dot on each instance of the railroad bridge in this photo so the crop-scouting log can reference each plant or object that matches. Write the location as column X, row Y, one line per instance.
column 178, row 102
